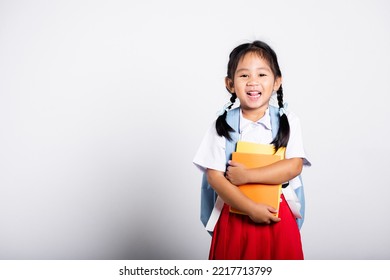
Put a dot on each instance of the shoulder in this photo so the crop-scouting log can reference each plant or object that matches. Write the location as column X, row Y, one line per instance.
column 293, row 118
column 295, row 146
column 212, row 138
column 211, row 152
column 295, row 127
column 291, row 115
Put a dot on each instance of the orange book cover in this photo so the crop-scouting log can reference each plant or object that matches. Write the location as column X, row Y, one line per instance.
column 256, row 148
column 260, row 193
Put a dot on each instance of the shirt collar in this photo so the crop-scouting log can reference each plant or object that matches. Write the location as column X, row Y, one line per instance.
column 265, row 121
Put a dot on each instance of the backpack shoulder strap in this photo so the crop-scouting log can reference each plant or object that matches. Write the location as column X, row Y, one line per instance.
column 233, row 119
column 274, row 114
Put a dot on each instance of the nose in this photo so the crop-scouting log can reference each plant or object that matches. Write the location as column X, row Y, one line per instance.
column 253, row 81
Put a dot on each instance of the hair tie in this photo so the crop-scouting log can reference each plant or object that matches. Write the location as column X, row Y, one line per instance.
column 225, row 108
column 283, row 110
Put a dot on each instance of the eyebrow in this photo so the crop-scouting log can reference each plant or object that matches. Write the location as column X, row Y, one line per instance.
column 247, row 69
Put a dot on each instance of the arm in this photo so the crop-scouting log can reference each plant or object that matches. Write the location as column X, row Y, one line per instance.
column 276, row 173
column 259, row 213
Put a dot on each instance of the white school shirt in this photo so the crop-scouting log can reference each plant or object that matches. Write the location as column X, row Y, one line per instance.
column 211, row 153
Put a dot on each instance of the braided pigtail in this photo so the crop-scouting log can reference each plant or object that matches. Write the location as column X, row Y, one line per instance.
column 283, row 135
column 222, row 127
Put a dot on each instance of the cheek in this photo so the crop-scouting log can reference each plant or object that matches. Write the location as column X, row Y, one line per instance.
column 272, row 85
column 239, row 86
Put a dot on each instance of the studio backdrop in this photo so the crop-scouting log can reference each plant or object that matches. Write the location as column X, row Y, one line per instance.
column 103, row 105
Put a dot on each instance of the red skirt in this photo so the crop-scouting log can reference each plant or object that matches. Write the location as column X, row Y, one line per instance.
column 237, row 237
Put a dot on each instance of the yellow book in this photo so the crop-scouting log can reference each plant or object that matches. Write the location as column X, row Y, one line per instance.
column 254, row 155
column 255, row 148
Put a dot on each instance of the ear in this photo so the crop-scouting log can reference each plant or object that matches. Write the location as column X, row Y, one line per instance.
column 229, row 85
column 277, row 83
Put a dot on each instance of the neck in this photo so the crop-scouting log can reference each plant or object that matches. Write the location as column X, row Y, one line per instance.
column 253, row 115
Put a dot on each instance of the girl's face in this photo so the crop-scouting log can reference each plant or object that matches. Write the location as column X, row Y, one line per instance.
column 253, row 83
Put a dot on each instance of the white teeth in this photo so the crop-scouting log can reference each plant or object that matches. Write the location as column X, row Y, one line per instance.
column 254, row 93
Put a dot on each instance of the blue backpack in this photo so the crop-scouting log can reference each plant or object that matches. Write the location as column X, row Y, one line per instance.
column 209, row 196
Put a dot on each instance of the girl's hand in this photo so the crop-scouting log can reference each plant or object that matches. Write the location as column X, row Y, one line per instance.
column 263, row 214
column 236, row 173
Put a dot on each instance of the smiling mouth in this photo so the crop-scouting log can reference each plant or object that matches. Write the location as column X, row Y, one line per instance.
column 254, row 93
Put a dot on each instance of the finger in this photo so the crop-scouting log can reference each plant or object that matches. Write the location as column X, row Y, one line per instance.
column 234, row 164
column 272, row 210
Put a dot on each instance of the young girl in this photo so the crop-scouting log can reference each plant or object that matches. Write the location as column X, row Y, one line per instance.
column 253, row 76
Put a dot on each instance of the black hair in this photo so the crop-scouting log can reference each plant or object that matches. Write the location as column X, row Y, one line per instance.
column 267, row 53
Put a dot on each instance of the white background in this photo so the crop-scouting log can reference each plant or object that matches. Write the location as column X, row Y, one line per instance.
column 103, row 105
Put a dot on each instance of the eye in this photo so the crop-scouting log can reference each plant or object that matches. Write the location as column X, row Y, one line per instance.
column 244, row 76
column 262, row 75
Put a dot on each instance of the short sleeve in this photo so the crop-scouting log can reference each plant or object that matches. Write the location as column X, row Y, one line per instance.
column 295, row 146
column 211, row 152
